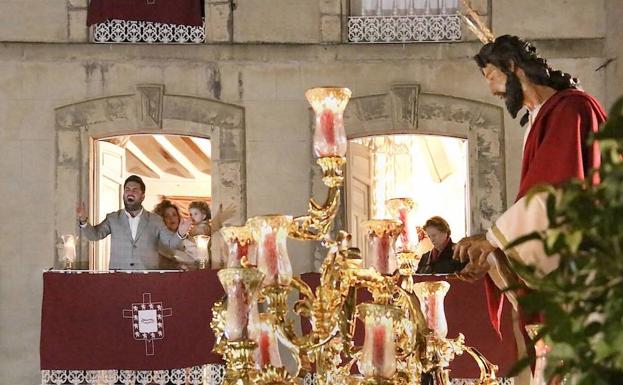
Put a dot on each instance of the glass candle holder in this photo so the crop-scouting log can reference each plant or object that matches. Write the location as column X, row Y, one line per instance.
column 202, row 242
column 381, row 237
column 240, row 243
column 403, row 210
column 431, row 295
column 242, row 287
column 270, row 233
column 329, row 104
column 267, row 351
column 68, row 250
column 378, row 356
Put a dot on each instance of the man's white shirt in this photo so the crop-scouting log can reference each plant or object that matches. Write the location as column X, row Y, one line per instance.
column 134, row 220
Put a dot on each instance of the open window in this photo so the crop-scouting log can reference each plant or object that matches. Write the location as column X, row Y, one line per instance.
column 177, row 168
column 432, row 170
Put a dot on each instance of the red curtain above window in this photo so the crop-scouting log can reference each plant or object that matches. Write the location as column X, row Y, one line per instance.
column 187, row 12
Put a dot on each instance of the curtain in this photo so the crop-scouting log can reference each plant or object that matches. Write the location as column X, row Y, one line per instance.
column 186, row 12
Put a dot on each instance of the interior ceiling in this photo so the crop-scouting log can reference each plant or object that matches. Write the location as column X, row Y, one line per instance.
column 154, row 156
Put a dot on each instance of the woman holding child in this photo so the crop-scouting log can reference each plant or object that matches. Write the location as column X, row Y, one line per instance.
column 202, row 224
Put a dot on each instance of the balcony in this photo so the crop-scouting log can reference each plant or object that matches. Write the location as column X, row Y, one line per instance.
column 120, row 21
column 128, row 31
column 404, row 21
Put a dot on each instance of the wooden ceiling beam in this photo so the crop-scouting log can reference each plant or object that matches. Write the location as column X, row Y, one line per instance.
column 180, row 157
column 134, row 165
column 162, row 158
column 205, row 145
column 142, row 157
column 192, row 152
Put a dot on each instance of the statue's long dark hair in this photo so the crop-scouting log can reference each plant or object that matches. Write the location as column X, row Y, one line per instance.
column 509, row 49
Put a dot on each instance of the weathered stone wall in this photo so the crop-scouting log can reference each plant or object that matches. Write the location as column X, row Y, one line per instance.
column 557, row 19
column 153, row 111
column 38, row 81
column 305, row 21
column 265, row 82
column 612, row 64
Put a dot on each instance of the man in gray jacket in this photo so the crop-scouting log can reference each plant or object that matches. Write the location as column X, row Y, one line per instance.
column 135, row 232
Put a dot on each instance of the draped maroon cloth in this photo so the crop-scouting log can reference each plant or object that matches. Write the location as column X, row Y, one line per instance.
column 555, row 152
column 187, row 12
column 465, row 306
column 90, row 321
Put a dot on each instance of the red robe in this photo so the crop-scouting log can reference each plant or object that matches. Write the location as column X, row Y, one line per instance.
column 555, row 152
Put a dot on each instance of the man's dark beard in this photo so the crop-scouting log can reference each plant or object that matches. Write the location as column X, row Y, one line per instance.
column 513, row 97
column 132, row 206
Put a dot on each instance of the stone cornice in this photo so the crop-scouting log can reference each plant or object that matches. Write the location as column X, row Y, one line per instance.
column 254, row 53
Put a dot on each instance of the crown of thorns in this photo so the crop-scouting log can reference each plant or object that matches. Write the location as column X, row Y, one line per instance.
column 508, row 47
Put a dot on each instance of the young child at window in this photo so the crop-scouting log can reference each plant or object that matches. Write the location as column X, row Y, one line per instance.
column 204, row 224
column 200, row 215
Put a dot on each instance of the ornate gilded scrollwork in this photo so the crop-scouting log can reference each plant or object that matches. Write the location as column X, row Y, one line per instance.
column 402, row 340
column 317, row 224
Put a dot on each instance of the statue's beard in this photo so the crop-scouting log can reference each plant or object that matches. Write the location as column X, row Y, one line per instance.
column 513, row 97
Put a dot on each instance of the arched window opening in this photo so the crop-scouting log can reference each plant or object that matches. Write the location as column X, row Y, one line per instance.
column 430, row 169
column 174, row 167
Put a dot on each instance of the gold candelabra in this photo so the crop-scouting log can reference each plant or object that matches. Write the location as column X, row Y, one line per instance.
column 403, row 325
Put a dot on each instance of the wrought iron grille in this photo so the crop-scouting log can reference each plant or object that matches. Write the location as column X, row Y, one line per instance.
column 210, row 374
column 124, row 31
column 404, row 29
column 403, row 21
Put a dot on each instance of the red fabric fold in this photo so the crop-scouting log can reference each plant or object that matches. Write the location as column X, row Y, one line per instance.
column 186, row 12
column 556, row 148
column 495, row 304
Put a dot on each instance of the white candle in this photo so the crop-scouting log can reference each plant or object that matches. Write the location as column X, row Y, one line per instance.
column 69, row 248
column 202, row 246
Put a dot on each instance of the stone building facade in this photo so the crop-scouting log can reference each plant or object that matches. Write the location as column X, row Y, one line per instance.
column 243, row 88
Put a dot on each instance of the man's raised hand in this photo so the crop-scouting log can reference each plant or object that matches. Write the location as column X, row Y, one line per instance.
column 81, row 212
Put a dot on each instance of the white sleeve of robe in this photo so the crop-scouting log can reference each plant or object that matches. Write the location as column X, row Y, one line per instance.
column 522, row 218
